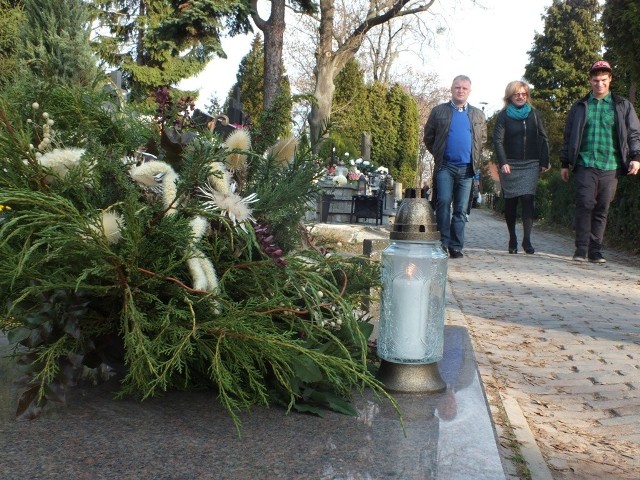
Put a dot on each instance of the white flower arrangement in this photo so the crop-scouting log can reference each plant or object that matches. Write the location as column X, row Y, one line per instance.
column 340, row 180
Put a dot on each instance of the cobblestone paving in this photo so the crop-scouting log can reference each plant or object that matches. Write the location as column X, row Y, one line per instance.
column 564, row 338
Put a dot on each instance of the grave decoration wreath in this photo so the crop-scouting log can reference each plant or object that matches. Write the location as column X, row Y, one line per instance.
column 178, row 265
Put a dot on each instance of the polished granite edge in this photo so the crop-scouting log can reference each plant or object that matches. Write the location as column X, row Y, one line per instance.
column 449, row 435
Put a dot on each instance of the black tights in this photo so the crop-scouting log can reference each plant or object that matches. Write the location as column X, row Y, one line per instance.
column 510, row 214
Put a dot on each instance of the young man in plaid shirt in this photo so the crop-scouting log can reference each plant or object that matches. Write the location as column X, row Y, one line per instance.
column 601, row 141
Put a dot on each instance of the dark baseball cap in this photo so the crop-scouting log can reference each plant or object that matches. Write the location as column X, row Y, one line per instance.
column 600, row 66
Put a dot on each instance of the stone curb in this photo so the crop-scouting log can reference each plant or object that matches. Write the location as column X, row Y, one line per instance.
column 528, row 446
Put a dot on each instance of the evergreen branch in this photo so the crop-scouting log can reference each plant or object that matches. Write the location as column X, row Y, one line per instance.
column 175, row 351
column 47, row 358
column 174, row 280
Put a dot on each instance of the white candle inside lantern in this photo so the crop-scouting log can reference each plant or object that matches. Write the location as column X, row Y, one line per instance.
column 412, row 303
column 409, row 304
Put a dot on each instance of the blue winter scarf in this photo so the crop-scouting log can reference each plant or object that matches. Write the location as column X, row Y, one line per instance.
column 518, row 113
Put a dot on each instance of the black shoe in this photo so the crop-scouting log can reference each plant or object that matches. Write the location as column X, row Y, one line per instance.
column 529, row 249
column 513, row 245
column 596, row 258
column 578, row 256
column 455, row 253
column 513, row 250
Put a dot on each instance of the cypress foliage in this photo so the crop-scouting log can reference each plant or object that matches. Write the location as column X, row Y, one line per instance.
column 351, row 109
column 384, row 135
column 279, row 324
column 621, row 26
column 388, row 112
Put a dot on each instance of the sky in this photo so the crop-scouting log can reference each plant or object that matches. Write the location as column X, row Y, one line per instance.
column 488, row 44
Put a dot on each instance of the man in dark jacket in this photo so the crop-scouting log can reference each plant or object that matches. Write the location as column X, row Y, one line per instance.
column 601, row 141
column 454, row 135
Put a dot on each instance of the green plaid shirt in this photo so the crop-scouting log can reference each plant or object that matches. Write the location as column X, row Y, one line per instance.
column 599, row 148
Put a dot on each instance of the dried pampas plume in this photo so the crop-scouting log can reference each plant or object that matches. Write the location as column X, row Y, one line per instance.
column 60, row 161
column 284, row 150
column 219, row 177
column 158, row 176
column 112, row 224
column 202, row 270
column 240, row 140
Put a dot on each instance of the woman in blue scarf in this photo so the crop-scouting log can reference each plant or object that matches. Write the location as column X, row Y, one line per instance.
column 522, row 150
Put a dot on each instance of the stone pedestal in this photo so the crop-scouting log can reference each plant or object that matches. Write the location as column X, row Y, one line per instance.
column 339, row 208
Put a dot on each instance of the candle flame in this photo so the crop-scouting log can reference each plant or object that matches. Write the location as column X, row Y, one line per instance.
column 410, row 269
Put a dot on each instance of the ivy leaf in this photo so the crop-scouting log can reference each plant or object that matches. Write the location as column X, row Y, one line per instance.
column 19, row 334
column 340, row 405
column 28, row 405
column 72, row 328
column 366, row 329
column 307, row 371
column 306, row 408
column 55, row 392
column 332, row 402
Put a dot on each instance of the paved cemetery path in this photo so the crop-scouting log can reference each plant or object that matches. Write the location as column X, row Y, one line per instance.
column 562, row 342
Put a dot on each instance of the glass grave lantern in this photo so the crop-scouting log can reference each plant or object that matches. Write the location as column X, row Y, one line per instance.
column 414, row 274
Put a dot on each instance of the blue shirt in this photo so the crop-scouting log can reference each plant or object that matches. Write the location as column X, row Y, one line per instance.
column 458, row 148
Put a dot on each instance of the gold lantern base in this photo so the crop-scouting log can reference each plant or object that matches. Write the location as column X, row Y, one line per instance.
column 411, row 378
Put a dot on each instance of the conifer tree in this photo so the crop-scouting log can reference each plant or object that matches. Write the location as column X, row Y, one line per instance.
column 404, row 163
column 560, row 57
column 621, row 26
column 160, row 42
column 388, row 112
column 384, row 135
column 559, row 62
column 351, row 114
column 275, row 122
column 11, row 18
column 250, row 79
column 56, row 41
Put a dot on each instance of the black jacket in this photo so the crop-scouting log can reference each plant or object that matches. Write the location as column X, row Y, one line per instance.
column 520, row 139
column 627, row 130
column 436, row 132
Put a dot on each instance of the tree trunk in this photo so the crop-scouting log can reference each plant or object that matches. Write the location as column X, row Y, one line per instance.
column 273, row 30
column 326, row 69
column 330, row 63
column 323, row 93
